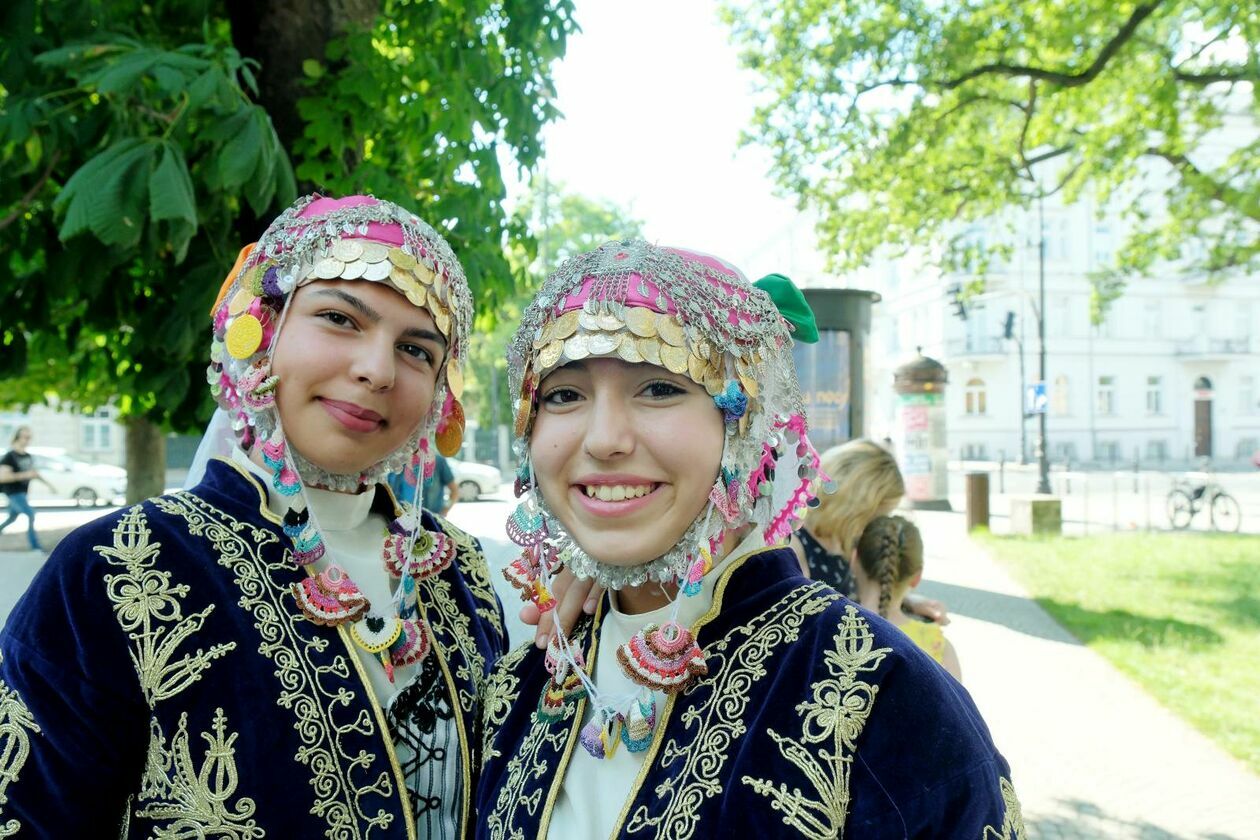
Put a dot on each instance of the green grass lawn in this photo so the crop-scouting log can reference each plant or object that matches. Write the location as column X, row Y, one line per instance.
column 1180, row 613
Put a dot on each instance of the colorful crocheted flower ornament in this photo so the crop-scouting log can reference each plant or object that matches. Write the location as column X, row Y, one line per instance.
column 330, row 598
column 662, row 657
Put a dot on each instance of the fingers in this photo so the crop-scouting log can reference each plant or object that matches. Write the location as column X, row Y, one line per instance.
column 592, row 599
column 530, row 614
column 546, row 624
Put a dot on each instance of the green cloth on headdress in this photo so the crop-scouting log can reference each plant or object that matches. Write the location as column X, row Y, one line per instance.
column 792, row 306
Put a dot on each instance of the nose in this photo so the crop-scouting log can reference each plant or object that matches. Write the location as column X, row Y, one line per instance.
column 610, row 430
column 373, row 364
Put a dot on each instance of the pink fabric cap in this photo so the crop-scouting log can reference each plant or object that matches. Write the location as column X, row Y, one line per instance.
column 390, row 234
column 636, row 299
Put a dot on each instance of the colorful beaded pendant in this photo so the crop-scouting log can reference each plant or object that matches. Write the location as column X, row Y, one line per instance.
column 639, row 723
column 412, row 644
column 700, row 566
column 308, row 545
column 662, row 658
column 330, row 598
column 525, row 526
column 564, row 685
column 600, row 737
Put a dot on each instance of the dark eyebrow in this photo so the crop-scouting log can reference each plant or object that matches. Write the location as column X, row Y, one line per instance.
column 352, row 301
column 370, row 313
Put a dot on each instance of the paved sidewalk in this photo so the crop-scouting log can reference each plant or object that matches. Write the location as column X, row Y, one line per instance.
column 1092, row 755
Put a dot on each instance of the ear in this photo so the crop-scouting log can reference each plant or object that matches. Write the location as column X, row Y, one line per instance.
column 914, row 581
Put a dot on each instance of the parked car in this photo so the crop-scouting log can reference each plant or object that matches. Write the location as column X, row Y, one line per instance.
column 475, row 480
column 85, row 484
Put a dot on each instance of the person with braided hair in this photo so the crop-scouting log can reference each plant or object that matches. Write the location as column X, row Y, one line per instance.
column 890, row 564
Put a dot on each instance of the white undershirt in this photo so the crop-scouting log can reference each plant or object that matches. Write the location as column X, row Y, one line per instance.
column 354, row 539
column 595, row 790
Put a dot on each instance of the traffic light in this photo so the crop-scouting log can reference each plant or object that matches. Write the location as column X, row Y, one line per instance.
column 956, row 302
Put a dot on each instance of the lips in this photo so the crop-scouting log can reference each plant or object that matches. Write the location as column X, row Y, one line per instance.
column 354, row 417
column 614, row 495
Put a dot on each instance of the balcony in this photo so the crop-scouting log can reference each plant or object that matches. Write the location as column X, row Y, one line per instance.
column 1203, row 348
column 974, row 346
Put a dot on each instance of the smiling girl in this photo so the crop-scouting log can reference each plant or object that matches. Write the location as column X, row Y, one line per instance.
column 716, row 692
column 282, row 650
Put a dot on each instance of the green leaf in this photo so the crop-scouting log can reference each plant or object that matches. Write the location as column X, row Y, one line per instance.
column 170, row 188
column 238, row 159
column 312, row 68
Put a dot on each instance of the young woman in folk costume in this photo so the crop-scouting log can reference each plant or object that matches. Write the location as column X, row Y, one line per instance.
column 281, row 651
column 716, row 692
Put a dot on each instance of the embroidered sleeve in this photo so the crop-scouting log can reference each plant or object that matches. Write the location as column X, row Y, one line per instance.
column 17, row 727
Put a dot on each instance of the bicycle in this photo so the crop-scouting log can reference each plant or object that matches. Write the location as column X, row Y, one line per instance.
column 1187, row 499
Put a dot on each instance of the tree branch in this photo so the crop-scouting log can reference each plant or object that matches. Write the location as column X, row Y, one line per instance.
column 1211, row 78
column 1059, row 77
column 32, row 192
column 1206, row 184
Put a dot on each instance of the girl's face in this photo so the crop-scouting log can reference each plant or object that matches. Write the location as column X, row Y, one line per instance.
column 625, row 455
column 358, row 365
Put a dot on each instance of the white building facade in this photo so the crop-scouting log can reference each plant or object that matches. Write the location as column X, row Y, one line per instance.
column 1173, row 372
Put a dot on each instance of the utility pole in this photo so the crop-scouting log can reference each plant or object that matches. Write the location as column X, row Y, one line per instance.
column 1043, row 459
column 1009, row 333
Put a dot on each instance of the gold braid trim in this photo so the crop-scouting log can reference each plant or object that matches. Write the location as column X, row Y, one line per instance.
column 1012, row 827
column 16, row 727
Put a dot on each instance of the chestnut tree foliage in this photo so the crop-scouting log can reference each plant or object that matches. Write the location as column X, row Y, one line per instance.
column 143, row 143
column 899, row 121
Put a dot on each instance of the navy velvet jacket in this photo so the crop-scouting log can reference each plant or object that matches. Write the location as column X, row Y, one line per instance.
column 817, row 719
column 157, row 679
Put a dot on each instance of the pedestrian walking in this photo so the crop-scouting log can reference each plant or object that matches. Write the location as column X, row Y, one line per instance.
column 17, row 471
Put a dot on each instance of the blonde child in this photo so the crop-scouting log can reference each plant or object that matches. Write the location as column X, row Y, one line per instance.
column 889, row 564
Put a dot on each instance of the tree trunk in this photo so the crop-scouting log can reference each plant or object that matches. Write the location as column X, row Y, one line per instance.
column 146, row 460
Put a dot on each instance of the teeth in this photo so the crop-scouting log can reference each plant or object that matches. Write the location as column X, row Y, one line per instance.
column 617, row 492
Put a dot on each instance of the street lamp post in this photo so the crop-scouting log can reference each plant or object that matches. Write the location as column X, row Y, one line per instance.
column 1043, row 460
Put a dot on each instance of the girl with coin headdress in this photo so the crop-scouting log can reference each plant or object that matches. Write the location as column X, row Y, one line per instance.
column 715, row 692
column 282, row 650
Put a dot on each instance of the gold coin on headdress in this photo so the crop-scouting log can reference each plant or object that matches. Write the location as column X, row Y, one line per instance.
column 588, row 321
column 703, row 348
column 609, row 322
column 347, row 250
column 604, row 344
column 440, row 317
column 714, row 385
column 566, row 325
column 328, row 269
column 423, row 274
column 401, row 258
column 354, row 270
column 522, row 417
column 377, row 270
column 696, row 368
column 417, row 295
column 452, row 435
column 455, row 379
column 642, row 322
column 577, row 347
column 240, row 301
column 650, row 350
column 244, row 336
column 675, row 358
column 374, row 252
column 628, row 350
column 747, row 377
column 671, row 331
column 549, row 355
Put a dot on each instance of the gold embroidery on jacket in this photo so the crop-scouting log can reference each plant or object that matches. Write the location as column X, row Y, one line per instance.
column 526, row 767
column 148, row 607
column 830, row 726
column 324, row 717
column 16, row 727
column 1012, row 819
column 691, row 766
column 498, row 698
column 195, row 799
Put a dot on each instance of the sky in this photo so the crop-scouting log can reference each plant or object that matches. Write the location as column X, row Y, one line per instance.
column 654, row 102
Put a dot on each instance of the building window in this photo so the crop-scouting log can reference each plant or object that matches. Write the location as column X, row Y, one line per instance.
column 1242, row 320
column 1246, row 447
column 975, row 398
column 96, row 431
column 1108, row 451
column 975, row 452
column 1154, row 395
column 1059, row 396
column 1106, row 396
column 1157, row 450
column 1064, row 451
column 1247, row 395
